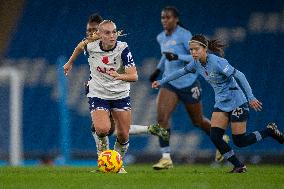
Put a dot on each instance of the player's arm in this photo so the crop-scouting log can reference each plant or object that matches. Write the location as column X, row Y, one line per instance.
column 130, row 73
column 230, row 71
column 241, row 78
column 77, row 51
column 183, row 57
column 160, row 68
column 175, row 75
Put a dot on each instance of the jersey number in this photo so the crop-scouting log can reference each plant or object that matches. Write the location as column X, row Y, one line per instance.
column 195, row 92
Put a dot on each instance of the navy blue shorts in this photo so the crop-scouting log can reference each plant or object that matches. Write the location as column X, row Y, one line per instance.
column 239, row 114
column 191, row 94
column 107, row 105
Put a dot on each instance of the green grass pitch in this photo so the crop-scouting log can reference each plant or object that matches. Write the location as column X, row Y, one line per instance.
column 142, row 176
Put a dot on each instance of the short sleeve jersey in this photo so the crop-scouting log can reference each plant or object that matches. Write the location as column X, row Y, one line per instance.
column 101, row 84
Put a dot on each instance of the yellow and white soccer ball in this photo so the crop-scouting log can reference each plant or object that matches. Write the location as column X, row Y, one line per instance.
column 109, row 161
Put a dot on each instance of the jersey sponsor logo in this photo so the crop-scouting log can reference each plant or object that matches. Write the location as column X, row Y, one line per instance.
column 104, row 70
column 105, row 59
column 170, row 43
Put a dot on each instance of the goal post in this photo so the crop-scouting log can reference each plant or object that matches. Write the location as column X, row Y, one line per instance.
column 15, row 87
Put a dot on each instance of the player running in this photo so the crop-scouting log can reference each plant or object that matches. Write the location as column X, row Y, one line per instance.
column 112, row 68
column 186, row 89
column 92, row 36
column 231, row 102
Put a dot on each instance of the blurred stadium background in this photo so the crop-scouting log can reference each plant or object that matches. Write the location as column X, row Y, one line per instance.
column 35, row 36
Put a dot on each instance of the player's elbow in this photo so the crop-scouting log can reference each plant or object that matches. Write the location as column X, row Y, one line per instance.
column 239, row 75
column 135, row 78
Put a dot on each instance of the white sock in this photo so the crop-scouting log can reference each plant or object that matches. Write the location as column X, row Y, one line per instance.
column 121, row 148
column 98, row 139
column 166, row 155
column 138, row 129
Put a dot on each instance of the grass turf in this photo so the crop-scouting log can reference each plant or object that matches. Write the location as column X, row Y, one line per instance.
column 142, row 176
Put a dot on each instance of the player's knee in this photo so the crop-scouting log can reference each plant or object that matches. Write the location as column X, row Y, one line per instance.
column 102, row 132
column 109, row 133
column 239, row 140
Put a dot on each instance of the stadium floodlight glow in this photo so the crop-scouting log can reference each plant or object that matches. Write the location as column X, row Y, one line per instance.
column 15, row 107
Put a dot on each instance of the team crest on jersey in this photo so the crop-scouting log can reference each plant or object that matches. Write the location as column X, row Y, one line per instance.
column 105, row 59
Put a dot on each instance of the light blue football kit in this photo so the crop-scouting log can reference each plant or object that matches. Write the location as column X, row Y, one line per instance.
column 184, row 86
column 222, row 77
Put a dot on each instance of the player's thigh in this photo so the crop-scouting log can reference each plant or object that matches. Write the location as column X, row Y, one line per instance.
column 239, row 117
column 166, row 103
column 220, row 120
column 121, row 113
column 99, row 109
column 122, row 121
column 101, row 121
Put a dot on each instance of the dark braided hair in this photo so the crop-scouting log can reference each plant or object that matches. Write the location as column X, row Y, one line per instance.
column 214, row 45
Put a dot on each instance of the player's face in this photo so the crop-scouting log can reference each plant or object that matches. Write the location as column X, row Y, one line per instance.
column 91, row 28
column 108, row 34
column 197, row 51
column 168, row 20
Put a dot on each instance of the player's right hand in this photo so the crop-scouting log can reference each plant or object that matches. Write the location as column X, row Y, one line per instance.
column 155, row 85
column 67, row 68
column 93, row 37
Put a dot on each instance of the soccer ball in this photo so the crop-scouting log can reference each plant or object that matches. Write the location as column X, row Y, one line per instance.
column 110, row 161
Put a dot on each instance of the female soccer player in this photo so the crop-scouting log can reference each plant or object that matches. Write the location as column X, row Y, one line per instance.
column 112, row 68
column 91, row 36
column 187, row 89
column 231, row 104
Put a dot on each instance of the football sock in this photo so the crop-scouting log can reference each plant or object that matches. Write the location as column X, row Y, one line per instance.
column 244, row 140
column 166, row 155
column 216, row 136
column 121, row 148
column 99, row 140
column 138, row 129
column 165, row 144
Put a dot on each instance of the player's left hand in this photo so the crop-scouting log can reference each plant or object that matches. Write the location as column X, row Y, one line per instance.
column 256, row 105
column 114, row 74
column 171, row 56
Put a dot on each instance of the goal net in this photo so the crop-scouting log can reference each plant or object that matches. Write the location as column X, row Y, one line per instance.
column 11, row 88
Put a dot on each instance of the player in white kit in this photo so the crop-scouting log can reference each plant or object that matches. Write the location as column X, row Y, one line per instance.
column 111, row 70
